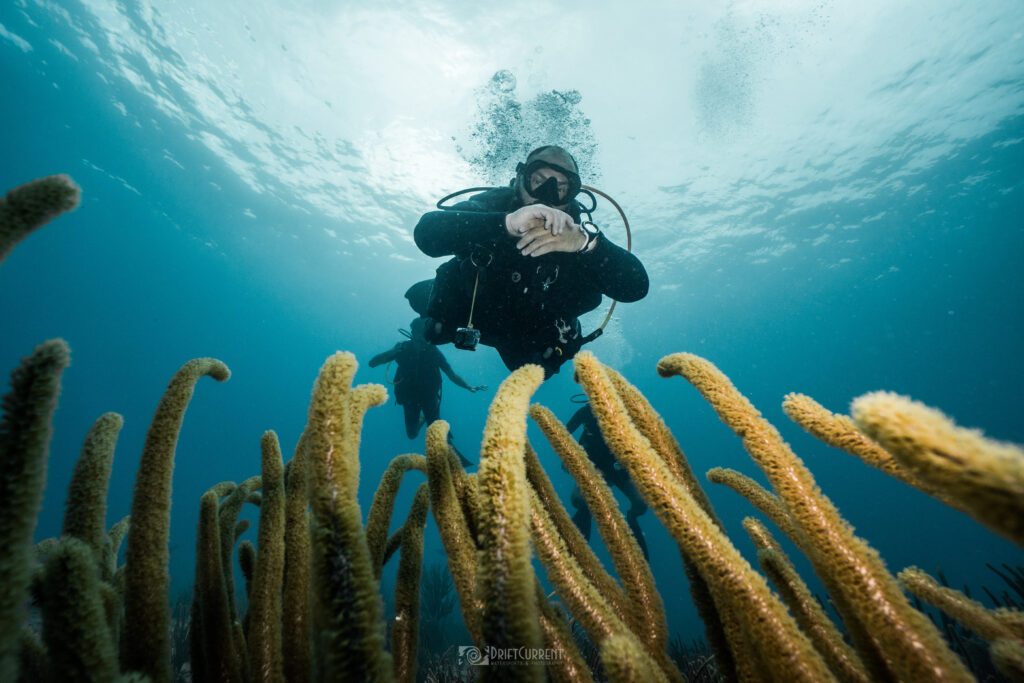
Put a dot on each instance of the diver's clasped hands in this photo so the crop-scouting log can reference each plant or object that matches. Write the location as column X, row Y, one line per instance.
column 543, row 230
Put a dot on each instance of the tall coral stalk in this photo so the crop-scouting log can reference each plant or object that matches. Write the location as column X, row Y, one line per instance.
column 86, row 506
column 264, row 639
column 980, row 476
column 405, row 633
column 296, row 620
column 910, row 644
column 505, row 577
column 348, row 633
column 645, row 612
column 78, row 642
column 449, row 515
column 146, row 645
column 25, row 430
column 378, row 520
column 781, row 645
column 33, row 205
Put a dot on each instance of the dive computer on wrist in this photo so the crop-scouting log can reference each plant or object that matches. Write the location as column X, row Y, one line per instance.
column 591, row 231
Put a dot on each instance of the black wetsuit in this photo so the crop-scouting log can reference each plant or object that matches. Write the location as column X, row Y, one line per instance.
column 417, row 381
column 524, row 305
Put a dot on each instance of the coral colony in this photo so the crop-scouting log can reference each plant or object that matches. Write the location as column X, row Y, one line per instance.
column 313, row 578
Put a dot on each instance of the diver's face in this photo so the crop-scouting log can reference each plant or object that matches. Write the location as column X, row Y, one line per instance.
column 541, row 176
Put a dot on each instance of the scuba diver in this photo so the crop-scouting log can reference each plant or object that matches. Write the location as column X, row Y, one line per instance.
column 418, row 380
column 594, row 444
column 525, row 266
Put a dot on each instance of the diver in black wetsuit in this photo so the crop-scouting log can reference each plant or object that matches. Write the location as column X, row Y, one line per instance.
column 593, row 443
column 525, row 267
column 418, row 379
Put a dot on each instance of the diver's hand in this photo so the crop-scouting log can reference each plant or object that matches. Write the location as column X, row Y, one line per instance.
column 537, row 241
column 555, row 221
column 480, row 387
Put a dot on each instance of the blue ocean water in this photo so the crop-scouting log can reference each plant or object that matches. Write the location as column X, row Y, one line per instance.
column 828, row 202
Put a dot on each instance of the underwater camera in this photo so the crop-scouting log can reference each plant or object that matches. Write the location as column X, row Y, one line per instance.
column 466, row 338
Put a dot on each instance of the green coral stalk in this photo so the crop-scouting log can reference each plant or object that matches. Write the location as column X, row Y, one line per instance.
column 378, row 521
column 33, row 205
column 214, row 656
column 146, row 645
column 230, row 531
column 265, row 603
column 296, row 620
column 405, row 632
column 75, row 630
column 86, row 505
column 349, row 634
column 25, row 430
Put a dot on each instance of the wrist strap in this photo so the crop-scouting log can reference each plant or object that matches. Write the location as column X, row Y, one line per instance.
column 591, row 236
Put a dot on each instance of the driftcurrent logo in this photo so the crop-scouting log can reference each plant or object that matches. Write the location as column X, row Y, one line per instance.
column 471, row 655
column 493, row 656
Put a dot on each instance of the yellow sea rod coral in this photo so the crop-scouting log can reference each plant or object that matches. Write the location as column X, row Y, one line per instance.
column 984, row 478
column 348, row 631
column 579, row 594
column 214, row 654
column 146, row 646
column 763, row 499
column 827, row 639
column 624, row 661
column 654, row 429
column 231, row 529
column 577, row 546
column 505, row 574
column 25, row 429
column 405, row 633
column 781, row 645
column 86, row 505
column 645, row 611
column 378, row 520
column 459, row 544
column 78, row 642
column 840, row 432
column 264, row 638
column 908, row 642
column 992, row 625
column 568, row 665
column 1008, row 656
column 296, row 621
column 33, row 205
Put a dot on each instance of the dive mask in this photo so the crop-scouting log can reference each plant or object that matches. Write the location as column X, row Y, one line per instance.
column 548, row 192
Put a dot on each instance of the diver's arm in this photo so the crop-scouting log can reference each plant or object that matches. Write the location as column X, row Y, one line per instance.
column 443, row 233
column 386, row 357
column 456, row 379
column 618, row 273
